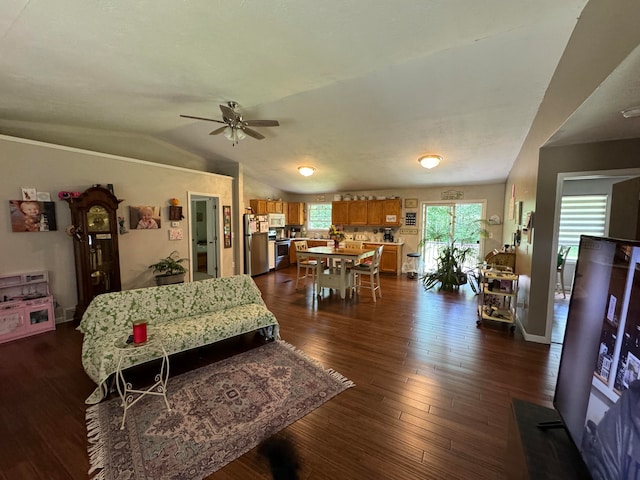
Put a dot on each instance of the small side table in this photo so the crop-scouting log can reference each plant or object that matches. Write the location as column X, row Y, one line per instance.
column 128, row 394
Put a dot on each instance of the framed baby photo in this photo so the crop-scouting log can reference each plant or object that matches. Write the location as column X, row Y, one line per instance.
column 144, row 217
column 32, row 216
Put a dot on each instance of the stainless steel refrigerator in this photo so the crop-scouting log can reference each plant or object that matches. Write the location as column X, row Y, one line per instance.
column 256, row 243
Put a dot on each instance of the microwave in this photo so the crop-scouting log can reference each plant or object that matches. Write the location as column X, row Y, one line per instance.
column 276, row 220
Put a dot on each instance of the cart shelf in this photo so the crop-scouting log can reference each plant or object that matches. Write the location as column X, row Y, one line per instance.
column 498, row 297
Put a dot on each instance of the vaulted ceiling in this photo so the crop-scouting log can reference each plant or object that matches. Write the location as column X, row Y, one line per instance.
column 360, row 88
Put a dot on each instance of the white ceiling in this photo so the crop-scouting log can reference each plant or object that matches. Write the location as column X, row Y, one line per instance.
column 361, row 88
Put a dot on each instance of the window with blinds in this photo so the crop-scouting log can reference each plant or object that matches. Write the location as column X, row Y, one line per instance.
column 581, row 215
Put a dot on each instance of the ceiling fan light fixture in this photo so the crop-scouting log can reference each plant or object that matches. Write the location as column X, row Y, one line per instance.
column 631, row 112
column 241, row 135
column 306, row 171
column 228, row 133
column 430, row 161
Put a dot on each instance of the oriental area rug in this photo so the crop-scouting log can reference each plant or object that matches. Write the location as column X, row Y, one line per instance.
column 218, row 413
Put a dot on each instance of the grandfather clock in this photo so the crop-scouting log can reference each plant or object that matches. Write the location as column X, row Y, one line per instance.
column 95, row 245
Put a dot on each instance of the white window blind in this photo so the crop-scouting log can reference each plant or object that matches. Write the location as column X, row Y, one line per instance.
column 581, row 215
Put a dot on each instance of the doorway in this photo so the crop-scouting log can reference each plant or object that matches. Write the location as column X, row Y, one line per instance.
column 205, row 228
column 589, row 203
column 446, row 222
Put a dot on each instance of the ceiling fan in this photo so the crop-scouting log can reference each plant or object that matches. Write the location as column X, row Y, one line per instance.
column 235, row 127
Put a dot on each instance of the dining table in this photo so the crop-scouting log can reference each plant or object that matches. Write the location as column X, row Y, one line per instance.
column 336, row 274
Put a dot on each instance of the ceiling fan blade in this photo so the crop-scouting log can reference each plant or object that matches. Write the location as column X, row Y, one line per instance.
column 218, row 130
column 228, row 112
column 201, row 118
column 253, row 133
column 261, row 123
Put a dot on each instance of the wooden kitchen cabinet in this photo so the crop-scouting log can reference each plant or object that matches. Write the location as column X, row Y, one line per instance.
column 357, row 212
column 259, row 207
column 374, row 212
column 390, row 262
column 263, row 207
column 340, row 212
column 274, row 206
column 295, row 213
column 293, row 258
column 391, row 212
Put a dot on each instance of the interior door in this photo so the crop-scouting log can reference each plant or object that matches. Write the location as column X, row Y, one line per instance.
column 205, row 228
column 624, row 217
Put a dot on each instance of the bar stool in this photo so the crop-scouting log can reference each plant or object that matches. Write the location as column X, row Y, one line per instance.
column 413, row 259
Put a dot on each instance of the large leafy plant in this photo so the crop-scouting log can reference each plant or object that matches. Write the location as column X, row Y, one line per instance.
column 452, row 268
column 449, row 272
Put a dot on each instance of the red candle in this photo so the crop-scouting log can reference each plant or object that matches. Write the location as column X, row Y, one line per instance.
column 139, row 331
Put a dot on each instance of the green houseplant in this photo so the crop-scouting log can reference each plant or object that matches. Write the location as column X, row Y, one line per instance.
column 452, row 268
column 449, row 273
column 170, row 269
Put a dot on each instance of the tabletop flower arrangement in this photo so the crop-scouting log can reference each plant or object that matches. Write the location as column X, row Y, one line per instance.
column 336, row 234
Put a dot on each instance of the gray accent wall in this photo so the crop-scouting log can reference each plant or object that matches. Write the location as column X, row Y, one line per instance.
column 620, row 157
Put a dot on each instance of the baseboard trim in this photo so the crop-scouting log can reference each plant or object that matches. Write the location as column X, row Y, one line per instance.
column 533, row 338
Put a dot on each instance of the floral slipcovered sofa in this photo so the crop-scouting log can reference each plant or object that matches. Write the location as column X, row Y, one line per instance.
column 185, row 316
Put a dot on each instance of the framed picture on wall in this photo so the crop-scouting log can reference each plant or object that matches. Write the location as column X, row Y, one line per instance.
column 144, row 217
column 410, row 203
column 32, row 216
column 226, row 222
column 29, row 193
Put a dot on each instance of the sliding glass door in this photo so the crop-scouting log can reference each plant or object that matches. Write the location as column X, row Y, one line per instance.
column 443, row 223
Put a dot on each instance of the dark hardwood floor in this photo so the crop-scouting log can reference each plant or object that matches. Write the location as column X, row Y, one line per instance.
column 431, row 401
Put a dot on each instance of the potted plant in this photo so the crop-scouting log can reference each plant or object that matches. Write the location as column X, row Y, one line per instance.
column 449, row 273
column 170, row 269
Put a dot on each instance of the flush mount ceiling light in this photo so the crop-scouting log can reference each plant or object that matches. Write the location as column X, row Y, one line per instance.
column 430, row 161
column 306, row 171
column 631, row 112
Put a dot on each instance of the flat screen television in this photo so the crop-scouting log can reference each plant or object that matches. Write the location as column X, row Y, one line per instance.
column 598, row 389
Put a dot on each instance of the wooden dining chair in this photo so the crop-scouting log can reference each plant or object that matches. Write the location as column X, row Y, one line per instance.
column 306, row 263
column 351, row 244
column 370, row 271
column 563, row 253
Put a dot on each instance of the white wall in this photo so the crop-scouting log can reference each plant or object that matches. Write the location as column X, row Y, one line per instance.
column 255, row 189
column 51, row 168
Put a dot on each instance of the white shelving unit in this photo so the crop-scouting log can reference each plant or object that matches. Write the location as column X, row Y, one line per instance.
column 26, row 305
column 498, row 296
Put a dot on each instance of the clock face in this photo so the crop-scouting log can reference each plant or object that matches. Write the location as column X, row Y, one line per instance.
column 98, row 219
